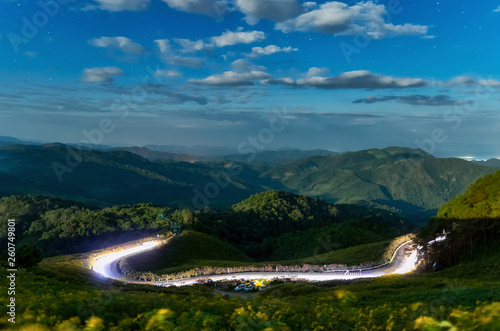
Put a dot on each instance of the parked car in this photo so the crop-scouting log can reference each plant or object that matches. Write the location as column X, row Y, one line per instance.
column 240, row 287
column 249, row 287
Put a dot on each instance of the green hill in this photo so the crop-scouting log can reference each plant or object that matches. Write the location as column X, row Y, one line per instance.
column 272, row 204
column 471, row 221
column 481, row 200
column 277, row 225
column 407, row 180
column 190, row 247
column 280, row 156
column 110, row 178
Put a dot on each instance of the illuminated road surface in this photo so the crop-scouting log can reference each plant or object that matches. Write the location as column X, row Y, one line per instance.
column 106, row 264
column 402, row 262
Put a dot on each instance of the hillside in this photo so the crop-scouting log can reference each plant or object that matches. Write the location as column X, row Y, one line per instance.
column 276, row 225
column 190, row 247
column 279, row 225
column 273, row 204
column 471, row 221
column 481, row 200
column 398, row 179
column 489, row 163
column 156, row 155
column 109, row 178
column 275, row 157
column 408, row 180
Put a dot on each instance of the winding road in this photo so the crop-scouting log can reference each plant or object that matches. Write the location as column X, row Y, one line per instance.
column 403, row 261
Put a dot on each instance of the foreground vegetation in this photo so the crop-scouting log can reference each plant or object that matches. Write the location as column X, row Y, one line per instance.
column 462, row 296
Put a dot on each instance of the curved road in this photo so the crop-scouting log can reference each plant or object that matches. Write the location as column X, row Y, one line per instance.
column 403, row 261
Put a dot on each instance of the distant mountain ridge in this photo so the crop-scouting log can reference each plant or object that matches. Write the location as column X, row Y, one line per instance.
column 276, row 156
column 5, row 141
column 399, row 179
column 268, row 157
column 409, row 180
column 489, row 163
column 109, row 177
column 152, row 155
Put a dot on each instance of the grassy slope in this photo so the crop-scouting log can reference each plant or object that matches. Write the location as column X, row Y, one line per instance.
column 481, row 200
column 188, row 248
column 170, row 264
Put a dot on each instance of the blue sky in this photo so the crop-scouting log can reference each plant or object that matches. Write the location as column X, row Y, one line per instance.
column 340, row 75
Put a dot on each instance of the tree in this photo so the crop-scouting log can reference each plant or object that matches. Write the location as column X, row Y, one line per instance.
column 28, row 256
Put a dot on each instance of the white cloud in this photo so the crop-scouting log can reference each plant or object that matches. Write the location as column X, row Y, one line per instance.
column 101, row 75
column 416, row 100
column 122, row 5
column 170, row 55
column 489, row 82
column 212, row 8
column 244, row 66
column 287, row 81
column 190, row 46
column 361, row 79
column 230, row 38
column 461, row 81
column 231, row 78
column 269, row 50
column 310, row 5
column 497, row 10
column 191, row 62
column 164, row 45
column 167, row 73
column 469, row 81
column 314, row 71
column 364, row 18
column 274, row 10
column 122, row 43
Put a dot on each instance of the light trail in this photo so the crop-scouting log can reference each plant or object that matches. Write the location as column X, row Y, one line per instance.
column 101, row 263
column 107, row 267
column 410, row 264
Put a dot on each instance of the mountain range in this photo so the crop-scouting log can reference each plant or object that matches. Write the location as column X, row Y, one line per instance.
column 406, row 180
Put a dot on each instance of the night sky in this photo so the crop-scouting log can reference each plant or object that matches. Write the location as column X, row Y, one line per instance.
column 337, row 75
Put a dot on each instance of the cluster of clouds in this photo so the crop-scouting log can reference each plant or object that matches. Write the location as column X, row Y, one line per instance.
column 417, row 100
column 101, row 75
column 121, row 43
column 333, row 17
column 366, row 18
column 358, row 79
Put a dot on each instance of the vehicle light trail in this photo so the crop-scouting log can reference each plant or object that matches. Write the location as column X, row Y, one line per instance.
column 409, row 265
column 101, row 262
column 107, row 266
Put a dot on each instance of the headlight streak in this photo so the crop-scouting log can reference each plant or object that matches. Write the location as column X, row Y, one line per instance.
column 102, row 264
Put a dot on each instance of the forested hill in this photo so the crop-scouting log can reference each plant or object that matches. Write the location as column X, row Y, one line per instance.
column 254, row 225
column 481, row 200
column 283, row 204
column 110, row 178
column 472, row 224
column 405, row 180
